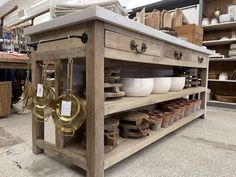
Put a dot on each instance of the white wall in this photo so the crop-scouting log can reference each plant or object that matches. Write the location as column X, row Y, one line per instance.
column 192, row 14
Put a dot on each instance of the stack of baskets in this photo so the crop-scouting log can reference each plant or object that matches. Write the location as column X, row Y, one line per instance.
column 5, row 98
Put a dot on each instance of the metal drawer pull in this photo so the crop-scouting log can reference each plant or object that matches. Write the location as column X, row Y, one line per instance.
column 200, row 59
column 177, row 55
column 134, row 47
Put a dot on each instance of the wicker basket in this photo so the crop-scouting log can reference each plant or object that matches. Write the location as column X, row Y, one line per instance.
column 213, row 76
column 226, row 98
column 5, row 98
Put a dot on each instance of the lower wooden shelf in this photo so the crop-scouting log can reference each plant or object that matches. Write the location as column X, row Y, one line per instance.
column 74, row 154
column 131, row 146
column 222, row 59
column 222, row 104
column 219, row 42
column 77, row 155
column 217, row 80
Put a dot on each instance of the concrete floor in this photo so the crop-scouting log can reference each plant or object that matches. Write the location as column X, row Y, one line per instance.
column 204, row 148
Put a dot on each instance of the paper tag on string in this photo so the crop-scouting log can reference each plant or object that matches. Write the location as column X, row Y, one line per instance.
column 40, row 90
column 66, row 108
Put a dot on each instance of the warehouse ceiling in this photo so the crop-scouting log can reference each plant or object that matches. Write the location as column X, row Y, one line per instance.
column 128, row 3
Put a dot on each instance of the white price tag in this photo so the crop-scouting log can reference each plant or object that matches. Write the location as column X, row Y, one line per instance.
column 40, row 90
column 66, row 108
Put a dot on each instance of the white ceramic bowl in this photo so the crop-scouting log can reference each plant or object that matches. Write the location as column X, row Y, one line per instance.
column 225, row 18
column 205, row 22
column 214, row 21
column 223, row 76
column 137, row 86
column 161, row 84
column 177, row 84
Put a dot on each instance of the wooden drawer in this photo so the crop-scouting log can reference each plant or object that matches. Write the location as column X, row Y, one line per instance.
column 175, row 52
column 199, row 58
column 132, row 44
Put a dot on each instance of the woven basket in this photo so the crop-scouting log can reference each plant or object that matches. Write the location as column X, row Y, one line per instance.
column 226, row 98
column 5, row 98
column 213, row 76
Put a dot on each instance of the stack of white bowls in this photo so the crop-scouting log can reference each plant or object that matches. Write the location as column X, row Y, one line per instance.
column 139, row 87
column 161, row 85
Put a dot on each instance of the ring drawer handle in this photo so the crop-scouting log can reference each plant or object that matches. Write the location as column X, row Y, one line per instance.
column 200, row 59
column 134, row 47
column 178, row 55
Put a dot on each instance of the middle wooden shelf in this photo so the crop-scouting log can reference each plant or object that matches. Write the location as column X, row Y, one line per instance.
column 217, row 80
column 127, row 103
column 219, row 42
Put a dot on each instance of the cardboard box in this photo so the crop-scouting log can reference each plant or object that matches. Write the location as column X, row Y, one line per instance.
column 193, row 33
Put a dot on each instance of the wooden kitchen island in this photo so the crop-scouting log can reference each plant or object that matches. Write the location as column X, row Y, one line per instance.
column 113, row 41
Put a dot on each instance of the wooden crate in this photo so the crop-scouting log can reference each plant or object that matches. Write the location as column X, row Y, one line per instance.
column 193, row 33
column 5, row 98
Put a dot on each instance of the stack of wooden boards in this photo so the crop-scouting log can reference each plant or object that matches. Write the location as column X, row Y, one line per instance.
column 192, row 78
column 112, row 84
column 111, row 135
column 175, row 25
column 134, row 125
column 60, row 8
column 161, row 20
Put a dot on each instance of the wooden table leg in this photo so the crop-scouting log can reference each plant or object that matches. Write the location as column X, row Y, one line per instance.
column 58, row 70
column 37, row 127
column 95, row 99
column 203, row 95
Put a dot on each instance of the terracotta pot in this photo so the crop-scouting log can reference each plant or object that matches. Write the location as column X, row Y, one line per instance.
column 189, row 109
column 176, row 110
column 156, row 112
column 172, row 118
column 181, row 106
column 192, row 103
column 165, row 119
column 183, row 109
column 163, row 106
column 199, row 104
column 155, row 123
column 182, row 100
column 195, row 105
column 150, row 113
